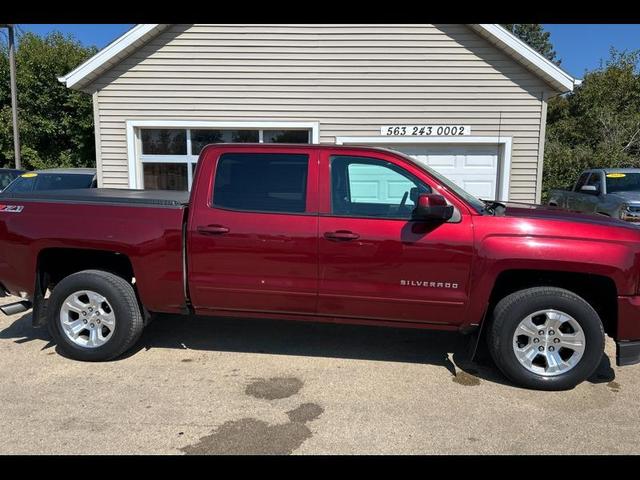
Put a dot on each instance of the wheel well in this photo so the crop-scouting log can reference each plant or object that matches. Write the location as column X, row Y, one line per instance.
column 597, row 290
column 54, row 264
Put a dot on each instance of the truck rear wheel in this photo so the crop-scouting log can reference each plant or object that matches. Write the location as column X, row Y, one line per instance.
column 94, row 315
column 546, row 338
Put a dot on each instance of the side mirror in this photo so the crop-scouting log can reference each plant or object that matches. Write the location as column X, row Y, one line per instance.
column 589, row 189
column 431, row 206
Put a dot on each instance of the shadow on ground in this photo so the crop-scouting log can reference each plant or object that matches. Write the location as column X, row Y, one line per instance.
column 446, row 349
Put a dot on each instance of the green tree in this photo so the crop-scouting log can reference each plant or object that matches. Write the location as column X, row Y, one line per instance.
column 598, row 125
column 56, row 123
column 534, row 35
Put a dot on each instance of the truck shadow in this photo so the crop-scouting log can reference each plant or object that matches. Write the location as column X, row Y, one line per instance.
column 449, row 350
column 446, row 349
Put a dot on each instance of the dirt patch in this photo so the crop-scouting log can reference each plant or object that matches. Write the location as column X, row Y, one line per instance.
column 250, row 436
column 463, row 378
column 187, row 360
column 274, row 388
column 305, row 413
column 614, row 386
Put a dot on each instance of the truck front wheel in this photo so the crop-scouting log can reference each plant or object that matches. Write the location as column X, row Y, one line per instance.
column 546, row 338
column 94, row 315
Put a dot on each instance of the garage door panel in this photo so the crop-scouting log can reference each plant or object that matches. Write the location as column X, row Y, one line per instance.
column 472, row 167
column 441, row 161
column 479, row 161
column 365, row 191
column 479, row 189
column 375, row 184
column 397, row 189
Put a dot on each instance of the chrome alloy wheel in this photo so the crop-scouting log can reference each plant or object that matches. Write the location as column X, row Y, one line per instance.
column 87, row 319
column 549, row 342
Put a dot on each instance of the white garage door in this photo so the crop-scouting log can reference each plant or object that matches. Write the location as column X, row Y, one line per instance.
column 473, row 167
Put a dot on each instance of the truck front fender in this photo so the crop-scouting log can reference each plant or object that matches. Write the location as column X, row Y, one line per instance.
column 497, row 254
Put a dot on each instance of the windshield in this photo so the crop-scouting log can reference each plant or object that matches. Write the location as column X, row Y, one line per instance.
column 623, row 182
column 30, row 182
column 6, row 178
column 477, row 204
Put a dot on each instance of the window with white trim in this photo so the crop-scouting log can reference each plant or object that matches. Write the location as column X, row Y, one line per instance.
column 169, row 155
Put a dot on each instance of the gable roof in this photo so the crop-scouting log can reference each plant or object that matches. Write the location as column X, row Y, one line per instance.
column 130, row 41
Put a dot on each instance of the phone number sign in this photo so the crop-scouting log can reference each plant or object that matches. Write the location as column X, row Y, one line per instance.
column 425, row 130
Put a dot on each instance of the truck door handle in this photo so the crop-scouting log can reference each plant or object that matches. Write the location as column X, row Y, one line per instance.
column 212, row 229
column 341, row 236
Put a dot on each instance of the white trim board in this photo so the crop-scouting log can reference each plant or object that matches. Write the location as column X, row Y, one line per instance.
column 505, row 143
column 133, row 140
column 504, row 40
column 107, row 54
column 508, row 39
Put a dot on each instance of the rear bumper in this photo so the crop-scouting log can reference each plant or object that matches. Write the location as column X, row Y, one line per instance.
column 627, row 353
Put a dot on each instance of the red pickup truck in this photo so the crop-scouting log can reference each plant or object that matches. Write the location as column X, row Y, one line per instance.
column 331, row 234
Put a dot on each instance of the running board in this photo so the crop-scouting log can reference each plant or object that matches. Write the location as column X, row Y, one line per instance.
column 17, row 307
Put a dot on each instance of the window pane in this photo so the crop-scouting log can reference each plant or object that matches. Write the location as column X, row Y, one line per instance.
column 22, row 184
column 51, row 181
column 62, row 181
column 165, row 176
column 628, row 182
column 6, row 178
column 266, row 182
column 285, row 136
column 201, row 138
column 582, row 180
column 164, row 141
column 366, row 187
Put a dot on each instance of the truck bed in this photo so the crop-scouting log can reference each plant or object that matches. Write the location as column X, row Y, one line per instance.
column 110, row 196
column 144, row 226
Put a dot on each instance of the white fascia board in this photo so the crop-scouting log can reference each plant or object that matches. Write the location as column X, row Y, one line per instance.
column 107, row 54
column 508, row 39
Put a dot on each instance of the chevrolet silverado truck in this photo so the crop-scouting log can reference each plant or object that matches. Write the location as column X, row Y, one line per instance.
column 613, row 192
column 329, row 234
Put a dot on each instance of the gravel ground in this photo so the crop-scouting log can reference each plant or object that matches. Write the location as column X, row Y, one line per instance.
column 209, row 386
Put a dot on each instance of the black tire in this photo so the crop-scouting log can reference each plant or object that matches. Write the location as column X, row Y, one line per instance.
column 512, row 309
column 121, row 297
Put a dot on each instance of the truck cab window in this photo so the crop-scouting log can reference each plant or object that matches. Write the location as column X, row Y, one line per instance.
column 261, row 182
column 581, row 181
column 595, row 180
column 368, row 187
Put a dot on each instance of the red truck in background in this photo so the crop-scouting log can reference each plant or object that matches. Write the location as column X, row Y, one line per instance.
column 327, row 233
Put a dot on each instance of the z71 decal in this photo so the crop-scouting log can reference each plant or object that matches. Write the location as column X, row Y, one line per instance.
column 11, row 208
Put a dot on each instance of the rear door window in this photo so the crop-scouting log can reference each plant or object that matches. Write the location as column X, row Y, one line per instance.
column 261, row 182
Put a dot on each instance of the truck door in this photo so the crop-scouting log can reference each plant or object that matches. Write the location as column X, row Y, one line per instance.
column 574, row 198
column 252, row 240
column 375, row 263
column 590, row 200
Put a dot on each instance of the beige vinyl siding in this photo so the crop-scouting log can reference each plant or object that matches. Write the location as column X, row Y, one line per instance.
column 352, row 79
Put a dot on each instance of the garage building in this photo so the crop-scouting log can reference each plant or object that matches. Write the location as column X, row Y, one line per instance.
column 468, row 100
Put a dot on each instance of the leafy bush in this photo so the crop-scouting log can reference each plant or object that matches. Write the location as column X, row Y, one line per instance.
column 598, row 125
